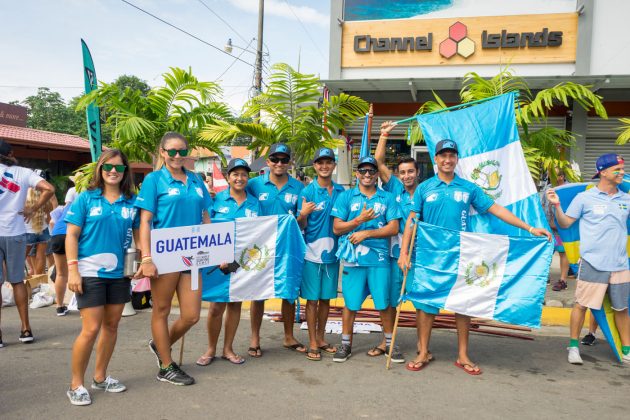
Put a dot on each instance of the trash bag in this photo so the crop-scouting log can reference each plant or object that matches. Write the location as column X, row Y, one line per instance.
column 40, row 300
column 6, row 292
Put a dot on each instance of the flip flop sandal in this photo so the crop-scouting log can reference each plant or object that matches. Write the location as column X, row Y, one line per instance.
column 413, row 366
column 314, row 351
column 328, row 349
column 473, row 372
column 295, row 347
column 204, row 360
column 235, row 360
column 376, row 351
column 253, row 352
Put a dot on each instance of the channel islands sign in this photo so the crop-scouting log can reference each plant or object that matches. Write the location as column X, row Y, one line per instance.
column 549, row 38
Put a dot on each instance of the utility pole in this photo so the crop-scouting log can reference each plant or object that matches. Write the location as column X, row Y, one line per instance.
column 259, row 50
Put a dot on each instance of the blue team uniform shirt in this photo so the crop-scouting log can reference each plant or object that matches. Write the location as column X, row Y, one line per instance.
column 172, row 202
column 226, row 209
column 321, row 242
column 106, row 232
column 448, row 205
column 404, row 200
column 603, row 229
column 274, row 201
column 373, row 251
column 60, row 225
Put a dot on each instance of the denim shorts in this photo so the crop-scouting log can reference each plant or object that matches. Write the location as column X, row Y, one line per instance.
column 37, row 238
column 13, row 253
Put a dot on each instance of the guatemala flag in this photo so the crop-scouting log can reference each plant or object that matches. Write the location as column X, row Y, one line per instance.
column 491, row 156
column 481, row 275
column 270, row 251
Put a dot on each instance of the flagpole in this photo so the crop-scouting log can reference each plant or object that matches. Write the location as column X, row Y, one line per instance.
column 402, row 289
column 369, row 128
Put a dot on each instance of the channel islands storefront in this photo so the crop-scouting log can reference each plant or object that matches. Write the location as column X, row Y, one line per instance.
column 394, row 54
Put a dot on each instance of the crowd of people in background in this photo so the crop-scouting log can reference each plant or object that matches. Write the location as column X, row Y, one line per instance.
column 367, row 230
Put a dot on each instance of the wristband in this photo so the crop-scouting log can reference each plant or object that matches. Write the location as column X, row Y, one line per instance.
column 146, row 255
column 73, row 262
column 530, row 229
column 385, row 134
column 146, row 261
column 556, row 205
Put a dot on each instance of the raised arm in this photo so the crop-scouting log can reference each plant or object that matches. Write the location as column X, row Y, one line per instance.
column 563, row 220
column 383, row 171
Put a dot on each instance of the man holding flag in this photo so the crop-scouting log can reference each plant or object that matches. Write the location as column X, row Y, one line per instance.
column 321, row 265
column 366, row 217
column 603, row 213
column 445, row 201
column 277, row 193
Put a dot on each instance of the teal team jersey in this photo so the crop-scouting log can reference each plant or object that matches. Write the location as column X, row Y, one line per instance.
column 226, row 209
column 448, row 205
column 373, row 251
column 321, row 242
column 404, row 200
column 274, row 201
column 106, row 232
column 172, row 202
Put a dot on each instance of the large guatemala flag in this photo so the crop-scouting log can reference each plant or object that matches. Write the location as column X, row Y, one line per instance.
column 571, row 241
column 270, row 251
column 491, row 156
column 481, row 275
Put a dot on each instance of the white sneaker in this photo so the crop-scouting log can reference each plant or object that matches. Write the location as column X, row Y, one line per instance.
column 574, row 356
column 625, row 358
column 79, row 396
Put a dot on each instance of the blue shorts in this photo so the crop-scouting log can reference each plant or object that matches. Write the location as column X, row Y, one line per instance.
column 359, row 282
column 396, row 279
column 319, row 281
column 37, row 238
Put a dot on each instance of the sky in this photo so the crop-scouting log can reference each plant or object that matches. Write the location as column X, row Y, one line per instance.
column 41, row 42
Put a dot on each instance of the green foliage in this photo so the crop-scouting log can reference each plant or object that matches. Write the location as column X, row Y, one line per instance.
column 544, row 148
column 287, row 111
column 83, row 176
column 48, row 111
column 138, row 119
column 624, row 131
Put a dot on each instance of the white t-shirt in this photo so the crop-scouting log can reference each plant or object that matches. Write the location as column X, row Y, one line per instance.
column 71, row 195
column 14, row 184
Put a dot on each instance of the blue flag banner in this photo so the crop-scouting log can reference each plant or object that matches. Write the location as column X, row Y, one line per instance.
column 571, row 241
column 365, row 138
column 92, row 111
column 270, row 252
column 491, row 156
column 481, row 275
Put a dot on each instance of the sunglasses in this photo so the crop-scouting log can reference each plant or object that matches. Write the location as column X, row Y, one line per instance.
column 107, row 167
column 174, row 152
column 275, row 159
column 364, row 171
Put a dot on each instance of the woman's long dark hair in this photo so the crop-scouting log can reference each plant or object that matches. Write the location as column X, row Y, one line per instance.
column 126, row 185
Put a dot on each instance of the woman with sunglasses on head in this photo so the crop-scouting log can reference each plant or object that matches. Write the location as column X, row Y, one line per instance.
column 171, row 196
column 99, row 231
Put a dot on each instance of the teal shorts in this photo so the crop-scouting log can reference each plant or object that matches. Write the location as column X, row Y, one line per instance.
column 396, row 279
column 319, row 281
column 359, row 282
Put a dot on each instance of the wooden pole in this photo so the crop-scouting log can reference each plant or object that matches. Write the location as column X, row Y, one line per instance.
column 181, row 350
column 402, row 289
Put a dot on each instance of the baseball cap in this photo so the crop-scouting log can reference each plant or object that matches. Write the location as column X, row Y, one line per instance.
column 444, row 145
column 278, row 148
column 367, row 160
column 5, row 148
column 238, row 163
column 324, row 152
column 606, row 161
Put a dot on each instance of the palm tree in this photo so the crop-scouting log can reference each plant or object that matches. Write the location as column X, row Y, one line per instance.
column 288, row 112
column 140, row 119
column 544, row 148
column 624, row 131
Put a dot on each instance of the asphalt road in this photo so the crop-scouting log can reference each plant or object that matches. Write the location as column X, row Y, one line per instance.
column 522, row 379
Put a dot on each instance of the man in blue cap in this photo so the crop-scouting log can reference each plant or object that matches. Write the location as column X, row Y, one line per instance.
column 277, row 192
column 603, row 213
column 445, row 200
column 321, row 265
column 367, row 217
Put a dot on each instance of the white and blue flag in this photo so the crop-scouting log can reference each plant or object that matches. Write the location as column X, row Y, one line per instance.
column 481, row 275
column 270, row 252
column 491, row 156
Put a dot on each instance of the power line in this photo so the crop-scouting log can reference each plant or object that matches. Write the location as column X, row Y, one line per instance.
column 223, row 20
column 187, row 33
column 306, row 30
column 233, row 62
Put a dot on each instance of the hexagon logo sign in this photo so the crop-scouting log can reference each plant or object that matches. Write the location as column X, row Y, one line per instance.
column 457, row 42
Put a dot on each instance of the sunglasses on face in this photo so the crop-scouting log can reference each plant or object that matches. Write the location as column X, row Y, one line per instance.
column 364, row 171
column 276, row 159
column 107, row 167
column 174, row 152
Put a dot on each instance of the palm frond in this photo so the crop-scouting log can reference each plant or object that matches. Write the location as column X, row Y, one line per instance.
column 624, row 131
